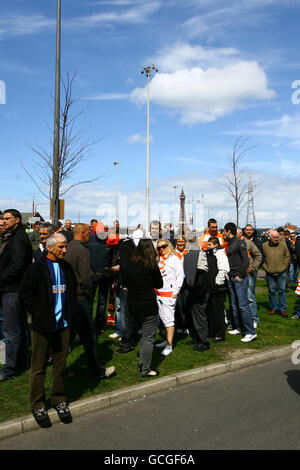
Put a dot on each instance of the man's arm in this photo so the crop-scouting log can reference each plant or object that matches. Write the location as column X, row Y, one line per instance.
column 256, row 258
column 244, row 258
column 84, row 274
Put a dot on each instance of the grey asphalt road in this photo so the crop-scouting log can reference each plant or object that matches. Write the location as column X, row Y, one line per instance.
column 251, row 409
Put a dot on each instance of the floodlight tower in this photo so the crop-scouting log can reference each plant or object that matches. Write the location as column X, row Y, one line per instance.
column 147, row 70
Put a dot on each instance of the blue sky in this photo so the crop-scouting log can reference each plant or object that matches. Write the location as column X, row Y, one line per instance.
column 226, row 69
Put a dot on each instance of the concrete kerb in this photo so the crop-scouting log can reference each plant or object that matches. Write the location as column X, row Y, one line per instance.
column 82, row 407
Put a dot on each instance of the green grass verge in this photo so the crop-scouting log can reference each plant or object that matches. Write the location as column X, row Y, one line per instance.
column 272, row 331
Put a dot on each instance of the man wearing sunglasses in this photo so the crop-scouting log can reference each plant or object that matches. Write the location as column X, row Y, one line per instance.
column 14, row 260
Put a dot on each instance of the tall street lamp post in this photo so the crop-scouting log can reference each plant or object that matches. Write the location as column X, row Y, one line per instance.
column 116, row 164
column 147, row 71
column 55, row 172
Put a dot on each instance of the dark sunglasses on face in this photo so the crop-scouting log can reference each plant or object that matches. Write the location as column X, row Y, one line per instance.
column 162, row 247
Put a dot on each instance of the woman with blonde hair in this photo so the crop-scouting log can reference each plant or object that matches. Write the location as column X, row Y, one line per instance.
column 172, row 274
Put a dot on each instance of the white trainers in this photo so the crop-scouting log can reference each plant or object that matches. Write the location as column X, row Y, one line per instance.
column 161, row 345
column 113, row 335
column 248, row 338
column 109, row 371
column 168, row 349
column 235, row 332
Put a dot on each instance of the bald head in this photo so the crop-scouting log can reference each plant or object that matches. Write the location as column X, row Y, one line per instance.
column 274, row 236
column 81, row 232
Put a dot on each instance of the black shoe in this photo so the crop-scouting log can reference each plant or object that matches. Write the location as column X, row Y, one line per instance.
column 4, row 377
column 191, row 342
column 42, row 418
column 151, row 375
column 49, row 361
column 218, row 340
column 64, row 413
column 125, row 350
column 201, row 347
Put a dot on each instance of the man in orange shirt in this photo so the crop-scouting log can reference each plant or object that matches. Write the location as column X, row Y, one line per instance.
column 212, row 225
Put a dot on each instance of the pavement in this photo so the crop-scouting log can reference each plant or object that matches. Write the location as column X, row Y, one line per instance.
column 25, row 424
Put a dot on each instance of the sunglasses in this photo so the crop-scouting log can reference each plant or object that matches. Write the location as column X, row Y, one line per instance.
column 161, row 247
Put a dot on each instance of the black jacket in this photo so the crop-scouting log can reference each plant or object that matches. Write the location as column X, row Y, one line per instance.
column 196, row 280
column 237, row 257
column 126, row 249
column 37, row 297
column 101, row 254
column 141, row 294
column 14, row 260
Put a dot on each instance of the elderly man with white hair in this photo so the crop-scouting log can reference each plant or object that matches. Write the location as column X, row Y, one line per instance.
column 276, row 262
column 48, row 292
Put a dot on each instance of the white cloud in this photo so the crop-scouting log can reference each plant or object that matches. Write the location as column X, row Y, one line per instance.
column 16, row 25
column 135, row 14
column 108, row 96
column 284, row 127
column 200, row 95
column 183, row 55
column 228, row 16
column 138, row 139
column 132, row 13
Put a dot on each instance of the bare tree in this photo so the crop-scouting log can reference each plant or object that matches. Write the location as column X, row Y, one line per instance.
column 73, row 150
column 236, row 183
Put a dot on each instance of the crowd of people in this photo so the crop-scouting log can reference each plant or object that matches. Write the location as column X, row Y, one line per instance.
column 143, row 283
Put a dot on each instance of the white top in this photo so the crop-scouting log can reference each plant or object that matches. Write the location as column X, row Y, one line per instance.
column 223, row 266
column 137, row 235
column 171, row 270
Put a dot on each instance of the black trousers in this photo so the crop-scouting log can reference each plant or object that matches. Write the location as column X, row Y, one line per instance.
column 216, row 314
column 103, row 288
column 86, row 332
column 180, row 308
column 41, row 343
column 198, row 321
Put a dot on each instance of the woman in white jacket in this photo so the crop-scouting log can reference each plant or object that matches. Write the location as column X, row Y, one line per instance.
column 172, row 273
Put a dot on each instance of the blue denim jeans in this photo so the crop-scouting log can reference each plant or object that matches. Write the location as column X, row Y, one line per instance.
column 278, row 282
column 293, row 271
column 16, row 333
column 242, row 316
column 119, row 325
column 252, row 278
column 2, row 337
column 298, row 310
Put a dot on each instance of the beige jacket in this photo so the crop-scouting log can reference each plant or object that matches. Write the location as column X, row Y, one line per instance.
column 254, row 255
column 277, row 258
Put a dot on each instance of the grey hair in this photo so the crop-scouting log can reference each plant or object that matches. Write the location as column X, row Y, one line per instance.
column 53, row 239
column 48, row 226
